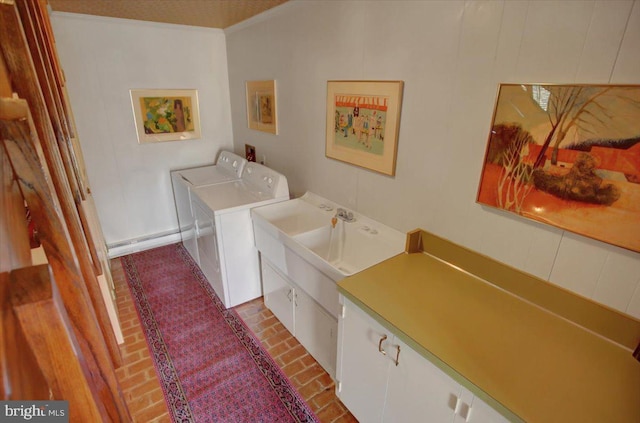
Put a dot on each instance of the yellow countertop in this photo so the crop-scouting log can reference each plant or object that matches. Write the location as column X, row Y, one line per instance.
column 524, row 360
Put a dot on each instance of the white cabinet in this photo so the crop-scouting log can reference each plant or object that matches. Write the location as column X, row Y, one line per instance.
column 362, row 370
column 316, row 330
column 278, row 296
column 382, row 379
column 473, row 409
column 418, row 388
column 301, row 315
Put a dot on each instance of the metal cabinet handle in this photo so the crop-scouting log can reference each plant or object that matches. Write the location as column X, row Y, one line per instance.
column 397, row 360
column 289, row 294
column 382, row 339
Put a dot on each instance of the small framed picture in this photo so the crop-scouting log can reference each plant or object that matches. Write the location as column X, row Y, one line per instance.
column 261, row 106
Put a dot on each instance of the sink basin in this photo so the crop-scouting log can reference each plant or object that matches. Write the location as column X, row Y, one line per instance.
column 303, row 225
column 352, row 247
column 296, row 216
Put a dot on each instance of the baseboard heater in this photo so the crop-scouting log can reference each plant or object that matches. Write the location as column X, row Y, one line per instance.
column 148, row 242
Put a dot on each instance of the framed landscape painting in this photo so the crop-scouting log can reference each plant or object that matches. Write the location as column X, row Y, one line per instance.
column 363, row 121
column 166, row 115
column 568, row 156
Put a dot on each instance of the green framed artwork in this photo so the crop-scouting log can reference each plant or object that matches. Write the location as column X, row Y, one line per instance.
column 165, row 115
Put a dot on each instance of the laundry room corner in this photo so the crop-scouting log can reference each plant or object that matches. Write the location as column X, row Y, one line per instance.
column 130, row 181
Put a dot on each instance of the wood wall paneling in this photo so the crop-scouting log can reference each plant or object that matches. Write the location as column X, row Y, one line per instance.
column 42, row 319
column 21, row 145
column 22, row 377
column 25, row 82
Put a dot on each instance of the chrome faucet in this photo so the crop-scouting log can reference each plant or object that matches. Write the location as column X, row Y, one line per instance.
column 345, row 215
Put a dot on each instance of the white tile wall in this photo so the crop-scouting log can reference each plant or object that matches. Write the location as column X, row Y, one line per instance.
column 451, row 56
column 103, row 59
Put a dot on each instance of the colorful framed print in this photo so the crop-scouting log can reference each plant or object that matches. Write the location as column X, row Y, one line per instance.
column 568, row 156
column 363, row 121
column 165, row 115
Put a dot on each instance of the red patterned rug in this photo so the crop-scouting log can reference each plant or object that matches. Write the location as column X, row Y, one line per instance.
column 211, row 366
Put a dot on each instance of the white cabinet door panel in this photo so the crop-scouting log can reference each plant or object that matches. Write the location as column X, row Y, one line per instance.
column 317, row 331
column 363, row 369
column 278, row 296
column 479, row 411
column 418, row 391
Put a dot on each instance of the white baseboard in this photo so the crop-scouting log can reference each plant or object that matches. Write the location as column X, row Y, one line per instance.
column 141, row 244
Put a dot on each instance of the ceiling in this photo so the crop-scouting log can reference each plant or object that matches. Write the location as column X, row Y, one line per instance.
column 206, row 13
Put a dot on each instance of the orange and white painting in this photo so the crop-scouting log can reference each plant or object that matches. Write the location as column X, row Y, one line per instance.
column 568, row 156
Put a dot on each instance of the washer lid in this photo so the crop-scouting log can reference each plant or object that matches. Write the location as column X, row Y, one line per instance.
column 207, row 175
column 229, row 196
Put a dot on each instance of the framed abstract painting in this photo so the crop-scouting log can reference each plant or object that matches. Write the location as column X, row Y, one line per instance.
column 568, row 156
column 165, row 115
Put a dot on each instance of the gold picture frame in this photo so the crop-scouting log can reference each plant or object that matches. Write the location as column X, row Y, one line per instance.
column 165, row 114
column 568, row 156
column 363, row 122
column 262, row 106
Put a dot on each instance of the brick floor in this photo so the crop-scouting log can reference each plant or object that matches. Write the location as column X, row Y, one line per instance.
column 141, row 387
column 307, row 376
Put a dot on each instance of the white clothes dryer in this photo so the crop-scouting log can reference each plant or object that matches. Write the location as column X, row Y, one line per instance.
column 228, row 167
column 224, row 230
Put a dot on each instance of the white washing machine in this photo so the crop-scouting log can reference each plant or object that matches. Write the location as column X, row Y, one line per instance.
column 224, row 231
column 228, row 167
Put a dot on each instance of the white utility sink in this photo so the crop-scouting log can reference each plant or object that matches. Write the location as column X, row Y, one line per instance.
column 296, row 216
column 351, row 247
column 304, row 225
column 303, row 254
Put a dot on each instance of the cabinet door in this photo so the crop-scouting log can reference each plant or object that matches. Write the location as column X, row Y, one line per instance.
column 417, row 390
column 473, row 410
column 362, row 369
column 317, row 331
column 278, row 295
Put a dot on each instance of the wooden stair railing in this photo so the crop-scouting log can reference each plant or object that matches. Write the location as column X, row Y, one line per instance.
column 35, row 75
column 39, row 318
column 21, row 149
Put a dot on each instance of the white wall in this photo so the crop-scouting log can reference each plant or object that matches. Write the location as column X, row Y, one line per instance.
column 451, row 56
column 103, row 58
